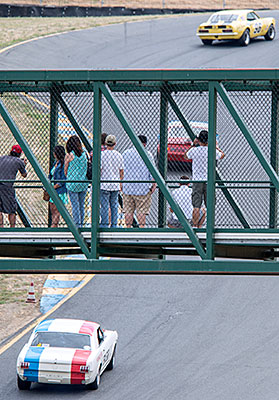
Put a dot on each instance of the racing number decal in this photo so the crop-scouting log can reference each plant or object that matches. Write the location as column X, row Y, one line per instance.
column 257, row 27
column 106, row 357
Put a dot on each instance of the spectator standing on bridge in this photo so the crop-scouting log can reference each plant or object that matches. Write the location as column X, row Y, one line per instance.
column 183, row 197
column 198, row 153
column 75, row 168
column 9, row 167
column 57, row 173
column 111, row 170
column 103, row 145
column 137, row 196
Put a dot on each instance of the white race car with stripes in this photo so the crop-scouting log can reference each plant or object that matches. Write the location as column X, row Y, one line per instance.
column 66, row 351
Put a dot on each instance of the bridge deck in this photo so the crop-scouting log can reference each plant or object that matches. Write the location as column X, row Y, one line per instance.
column 138, row 244
column 146, row 238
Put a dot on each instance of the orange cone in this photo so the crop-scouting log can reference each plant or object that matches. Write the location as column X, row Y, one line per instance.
column 31, row 294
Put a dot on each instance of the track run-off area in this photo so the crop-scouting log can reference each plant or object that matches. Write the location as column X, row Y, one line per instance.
column 180, row 337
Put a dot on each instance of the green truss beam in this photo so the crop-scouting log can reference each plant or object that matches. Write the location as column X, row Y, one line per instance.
column 244, row 267
column 43, row 178
column 223, row 187
column 248, row 136
column 153, row 170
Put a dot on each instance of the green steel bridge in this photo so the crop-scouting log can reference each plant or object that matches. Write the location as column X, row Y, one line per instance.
column 40, row 109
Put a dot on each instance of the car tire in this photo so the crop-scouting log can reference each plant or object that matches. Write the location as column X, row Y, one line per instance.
column 23, row 385
column 207, row 42
column 94, row 385
column 245, row 38
column 111, row 363
column 270, row 34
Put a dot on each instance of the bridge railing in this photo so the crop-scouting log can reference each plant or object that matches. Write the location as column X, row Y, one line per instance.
column 239, row 108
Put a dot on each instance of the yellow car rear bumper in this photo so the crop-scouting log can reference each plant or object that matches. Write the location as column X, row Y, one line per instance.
column 219, row 36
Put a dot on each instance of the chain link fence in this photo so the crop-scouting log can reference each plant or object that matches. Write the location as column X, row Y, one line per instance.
column 152, row 110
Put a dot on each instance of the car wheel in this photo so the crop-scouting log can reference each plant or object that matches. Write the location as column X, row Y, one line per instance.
column 23, row 385
column 94, row 385
column 270, row 34
column 245, row 38
column 207, row 42
column 111, row 363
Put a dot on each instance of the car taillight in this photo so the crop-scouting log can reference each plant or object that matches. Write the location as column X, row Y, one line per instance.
column 84, row 369
column 25, row 365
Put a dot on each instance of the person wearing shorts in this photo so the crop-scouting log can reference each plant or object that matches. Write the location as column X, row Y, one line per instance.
column 9, row 167
column 198, row 153
column 111, row 170
column 137, row 197
column 183, row 198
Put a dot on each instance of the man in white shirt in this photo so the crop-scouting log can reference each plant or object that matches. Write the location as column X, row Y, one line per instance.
column 183, row 197
column 111, row 170
column 198, row 153
column 137, row 196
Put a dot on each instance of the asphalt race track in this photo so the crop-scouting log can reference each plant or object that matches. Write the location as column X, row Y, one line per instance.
column 162, row 43
column 180, row 337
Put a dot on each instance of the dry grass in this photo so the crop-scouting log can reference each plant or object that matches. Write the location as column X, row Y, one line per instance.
column 14, row 311
column 15, row 30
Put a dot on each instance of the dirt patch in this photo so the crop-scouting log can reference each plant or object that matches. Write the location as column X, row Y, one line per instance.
column 14, row 311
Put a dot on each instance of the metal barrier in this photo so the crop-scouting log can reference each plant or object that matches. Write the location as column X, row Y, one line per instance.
column 239, row 108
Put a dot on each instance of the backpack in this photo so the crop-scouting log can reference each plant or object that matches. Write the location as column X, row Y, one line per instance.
column 89, row 170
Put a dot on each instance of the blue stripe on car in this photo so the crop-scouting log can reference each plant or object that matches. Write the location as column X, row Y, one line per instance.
column 33, row 357
column 44, row 325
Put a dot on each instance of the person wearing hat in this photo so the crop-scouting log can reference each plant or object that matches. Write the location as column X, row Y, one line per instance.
column 111, row 170
column 137, row 196
column 198, row 153
column 9, row 167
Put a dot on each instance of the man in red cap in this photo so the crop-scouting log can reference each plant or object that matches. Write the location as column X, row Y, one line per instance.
column 9, row 166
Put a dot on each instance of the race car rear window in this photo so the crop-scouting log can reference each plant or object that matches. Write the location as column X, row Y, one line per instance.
column 61, row 339
column 215, row 18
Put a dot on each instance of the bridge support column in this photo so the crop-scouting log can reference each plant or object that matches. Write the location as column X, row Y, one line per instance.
column 162, row 161
column 95, row 211
column 211, row 179
column 274, row 143
column 52, row 135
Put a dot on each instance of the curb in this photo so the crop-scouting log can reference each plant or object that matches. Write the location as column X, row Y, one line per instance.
column 59, row 286
column 56, row 287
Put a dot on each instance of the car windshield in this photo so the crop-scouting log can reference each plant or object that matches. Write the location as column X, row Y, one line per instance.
column 61, row 339
column 178, row 132
column 216, row 18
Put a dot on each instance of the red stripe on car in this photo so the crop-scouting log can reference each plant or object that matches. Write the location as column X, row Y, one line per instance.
column 80, row 358
column 87, row 328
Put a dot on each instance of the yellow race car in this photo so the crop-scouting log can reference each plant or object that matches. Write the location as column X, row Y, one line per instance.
column 240, row 25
